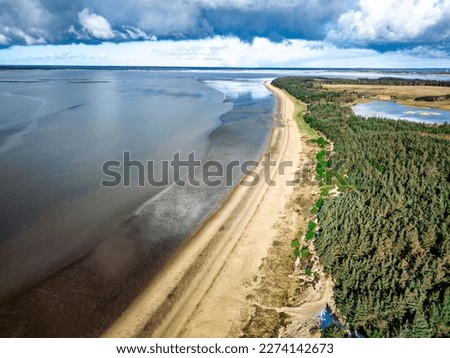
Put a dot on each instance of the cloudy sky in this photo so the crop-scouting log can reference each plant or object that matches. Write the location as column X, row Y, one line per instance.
column 237, row 33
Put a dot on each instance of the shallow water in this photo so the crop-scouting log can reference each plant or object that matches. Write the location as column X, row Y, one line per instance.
column 56, row 131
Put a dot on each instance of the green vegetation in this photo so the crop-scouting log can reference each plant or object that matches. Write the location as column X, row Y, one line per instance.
column 321, row 142
column 304, row 127
column 305, row 252
column 386, row 238
column 432, row 98
column 334, row 331
column 325, row 190
column 383, row 81
column 310, row 235
column 296, row 246
column 295, row 243
column 311, row 225
column 319, row 203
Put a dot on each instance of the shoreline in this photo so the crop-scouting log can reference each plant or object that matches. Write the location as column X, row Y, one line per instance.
column 202, row 291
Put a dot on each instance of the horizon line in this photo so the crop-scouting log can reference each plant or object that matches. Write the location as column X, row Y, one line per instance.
column 35, row 66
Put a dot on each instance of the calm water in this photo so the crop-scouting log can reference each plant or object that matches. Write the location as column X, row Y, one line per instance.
column 57, row 128
column 73, row 254
column 393, row 110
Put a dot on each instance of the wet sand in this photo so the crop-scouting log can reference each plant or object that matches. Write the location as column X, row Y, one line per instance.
column 204, row 289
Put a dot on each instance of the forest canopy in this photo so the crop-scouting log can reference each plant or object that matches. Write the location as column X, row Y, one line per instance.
column 386, row 240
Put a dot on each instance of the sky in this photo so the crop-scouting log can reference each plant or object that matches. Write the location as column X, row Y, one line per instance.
column 221, row 33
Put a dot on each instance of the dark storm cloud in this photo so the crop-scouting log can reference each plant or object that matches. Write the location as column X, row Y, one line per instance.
column 274, row 19
column 382, row 25
column 307, row 20
column 51, row 21
column 32, row 22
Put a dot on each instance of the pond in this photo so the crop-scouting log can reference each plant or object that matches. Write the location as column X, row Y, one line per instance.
column 393, row 110
column 328, row 318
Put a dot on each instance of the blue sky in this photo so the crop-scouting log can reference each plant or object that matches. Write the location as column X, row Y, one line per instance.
column 235, row 33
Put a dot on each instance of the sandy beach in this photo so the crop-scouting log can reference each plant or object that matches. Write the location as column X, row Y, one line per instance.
column 208, row 288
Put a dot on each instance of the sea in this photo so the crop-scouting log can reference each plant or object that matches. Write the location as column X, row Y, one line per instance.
column 82, row 228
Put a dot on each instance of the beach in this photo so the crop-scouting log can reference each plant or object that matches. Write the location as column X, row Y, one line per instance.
column 205, row 289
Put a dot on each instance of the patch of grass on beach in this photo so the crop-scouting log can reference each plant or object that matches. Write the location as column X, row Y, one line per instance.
column 304, row 127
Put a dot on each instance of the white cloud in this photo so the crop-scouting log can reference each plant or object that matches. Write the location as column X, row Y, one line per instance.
column 134, row 33
column 427, row 52
column 79, row 35
column 27, row 21
column 394, row 21
column 250, row 4
column 27, row 38
column 96, row 25
column 219, row 52
column 3, row 40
